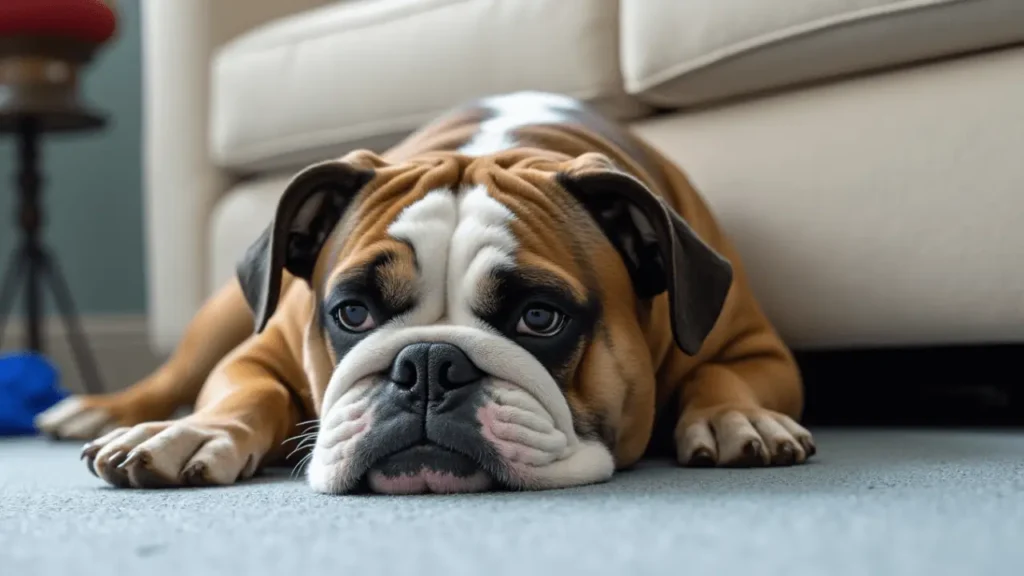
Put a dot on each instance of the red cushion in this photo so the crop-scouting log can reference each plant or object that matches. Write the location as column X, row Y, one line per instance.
column 87, row 20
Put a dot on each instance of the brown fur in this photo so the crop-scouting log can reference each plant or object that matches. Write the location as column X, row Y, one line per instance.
column 744, row 379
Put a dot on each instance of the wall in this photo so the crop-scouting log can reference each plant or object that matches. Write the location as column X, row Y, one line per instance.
column 92, row 190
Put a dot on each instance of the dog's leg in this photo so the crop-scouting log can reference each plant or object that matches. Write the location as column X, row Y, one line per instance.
column 742, row 408
column 223, row 322
column 243, row 415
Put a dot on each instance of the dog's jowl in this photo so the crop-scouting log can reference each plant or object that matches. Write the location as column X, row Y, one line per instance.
column 505, row 300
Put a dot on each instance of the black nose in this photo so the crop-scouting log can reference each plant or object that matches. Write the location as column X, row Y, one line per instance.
column 434, row 368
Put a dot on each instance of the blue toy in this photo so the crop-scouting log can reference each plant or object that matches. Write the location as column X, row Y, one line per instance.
column 28, row 385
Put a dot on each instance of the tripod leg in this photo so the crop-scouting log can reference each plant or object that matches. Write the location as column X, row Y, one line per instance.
column 79, row 345
column 34, row 301
column 30, row 219
column 9, row 289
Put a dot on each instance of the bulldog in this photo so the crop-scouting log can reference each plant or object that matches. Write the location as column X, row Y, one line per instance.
column 507, row 299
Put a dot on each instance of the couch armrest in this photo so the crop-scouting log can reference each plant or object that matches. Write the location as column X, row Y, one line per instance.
column 181, row 182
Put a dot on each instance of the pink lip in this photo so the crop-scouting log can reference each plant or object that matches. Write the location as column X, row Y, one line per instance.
column 428, row 481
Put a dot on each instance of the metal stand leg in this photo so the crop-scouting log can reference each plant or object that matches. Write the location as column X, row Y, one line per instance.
column 29, row 182
column 79, row 344
column 35, row 262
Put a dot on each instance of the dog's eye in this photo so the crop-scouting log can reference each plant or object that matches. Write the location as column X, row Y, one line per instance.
column 354, row 317
column 541, row 321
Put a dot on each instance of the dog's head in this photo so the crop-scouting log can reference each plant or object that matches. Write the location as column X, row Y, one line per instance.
column 480, row 323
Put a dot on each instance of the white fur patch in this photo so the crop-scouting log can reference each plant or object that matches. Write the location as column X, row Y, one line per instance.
column 481, row 243
column 512, row 111
column 428, row 225
column 71, row 419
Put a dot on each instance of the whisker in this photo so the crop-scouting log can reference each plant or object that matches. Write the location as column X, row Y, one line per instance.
column 305, row 434
column 306, row 442
column 298, row 448
column 299, row 468
column 299, row 437
column 309, row 425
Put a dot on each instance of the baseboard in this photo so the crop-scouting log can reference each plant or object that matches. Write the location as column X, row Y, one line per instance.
column 119, row 343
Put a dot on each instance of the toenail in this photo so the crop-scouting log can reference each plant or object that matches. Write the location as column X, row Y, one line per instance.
column 702, row 457
column 753, row 449
column 786, row 455
column 134, row 458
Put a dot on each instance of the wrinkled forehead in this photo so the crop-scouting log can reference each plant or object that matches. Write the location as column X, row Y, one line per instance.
column 460, row 237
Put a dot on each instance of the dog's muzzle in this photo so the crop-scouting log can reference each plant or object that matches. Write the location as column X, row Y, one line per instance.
column 447, row 409
column 430, row 400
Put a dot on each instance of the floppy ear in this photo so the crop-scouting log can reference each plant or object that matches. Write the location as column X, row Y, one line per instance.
column 660, row 250
column 312, row 204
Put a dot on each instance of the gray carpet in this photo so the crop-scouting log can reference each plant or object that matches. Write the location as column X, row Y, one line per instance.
column 901, row 503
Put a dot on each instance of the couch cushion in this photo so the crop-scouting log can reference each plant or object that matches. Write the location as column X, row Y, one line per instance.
column 881, row 210
column 364, row 73
column 694, row 52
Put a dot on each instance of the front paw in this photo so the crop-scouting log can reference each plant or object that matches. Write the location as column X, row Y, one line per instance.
column 741, row 437
column 166, row 454
column 90, row 416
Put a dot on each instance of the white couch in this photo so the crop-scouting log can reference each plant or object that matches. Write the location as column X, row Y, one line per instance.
column 867, row 156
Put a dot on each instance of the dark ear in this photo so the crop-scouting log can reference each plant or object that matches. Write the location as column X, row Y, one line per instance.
column 312, row 204
column 660, row 250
